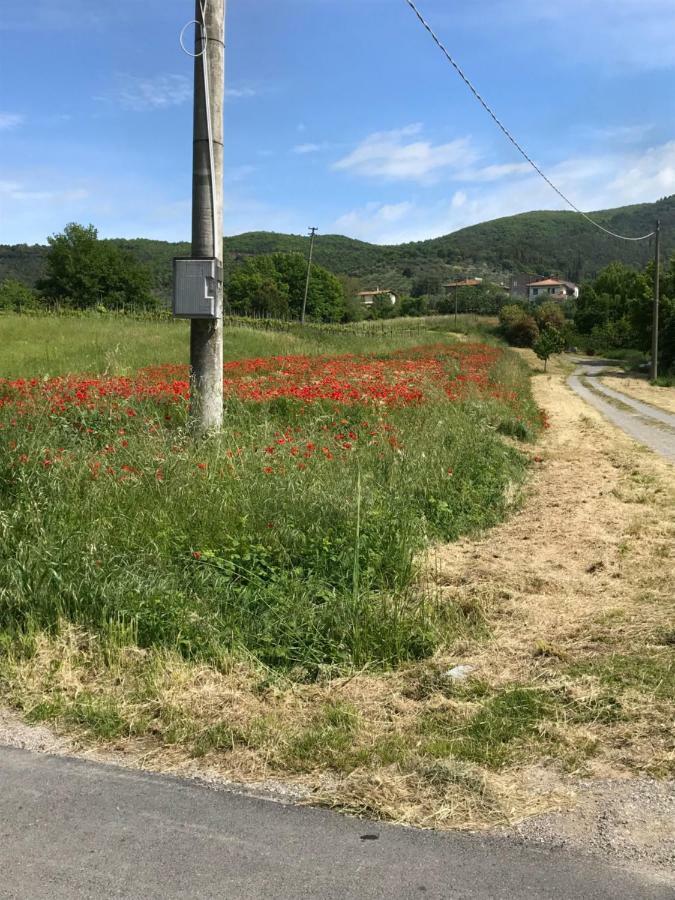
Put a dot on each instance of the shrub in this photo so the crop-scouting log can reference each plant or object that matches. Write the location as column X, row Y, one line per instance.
column 17, row 297
column 518, row 327
column 549, row 315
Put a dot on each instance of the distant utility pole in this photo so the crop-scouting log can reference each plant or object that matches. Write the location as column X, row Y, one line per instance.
column 455, row 304
column 655, row 314
column 206, row 335
column 312, row 232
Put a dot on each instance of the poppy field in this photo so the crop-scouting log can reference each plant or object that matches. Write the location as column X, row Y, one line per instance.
column 294, row 536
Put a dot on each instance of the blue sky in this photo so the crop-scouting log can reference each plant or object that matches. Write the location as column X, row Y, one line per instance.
column 340, row 113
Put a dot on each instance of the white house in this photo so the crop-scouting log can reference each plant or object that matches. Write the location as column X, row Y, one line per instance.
column 368, row 297
column 552, row 289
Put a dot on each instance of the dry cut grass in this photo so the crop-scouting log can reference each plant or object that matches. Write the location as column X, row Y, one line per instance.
column 640, row 389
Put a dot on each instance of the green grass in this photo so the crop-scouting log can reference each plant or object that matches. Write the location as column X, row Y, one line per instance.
column 299, row 570
column 494, row 735
column 651, row 672
column 38, row 346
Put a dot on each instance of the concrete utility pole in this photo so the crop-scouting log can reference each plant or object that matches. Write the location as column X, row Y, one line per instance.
column 655, row 315
column 312, row 232
column 206, row 335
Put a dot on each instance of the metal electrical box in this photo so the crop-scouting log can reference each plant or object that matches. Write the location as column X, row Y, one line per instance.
column 195, row 288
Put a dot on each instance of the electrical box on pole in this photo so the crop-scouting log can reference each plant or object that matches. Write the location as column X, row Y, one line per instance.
column 195, row 288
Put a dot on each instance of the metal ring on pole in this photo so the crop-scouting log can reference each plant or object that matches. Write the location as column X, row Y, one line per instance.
column 204, row 38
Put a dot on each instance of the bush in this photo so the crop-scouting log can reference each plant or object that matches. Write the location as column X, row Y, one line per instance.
column 17, row 297
column 549, row 315
column 518, row 327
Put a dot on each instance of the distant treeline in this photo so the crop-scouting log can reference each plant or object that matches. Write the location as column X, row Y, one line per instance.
column 537, row 242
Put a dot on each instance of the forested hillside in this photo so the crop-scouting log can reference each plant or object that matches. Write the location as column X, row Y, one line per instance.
column 561, row 242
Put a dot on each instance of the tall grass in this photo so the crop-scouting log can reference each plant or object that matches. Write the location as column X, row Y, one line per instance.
column 200, row 547
column 59, row 345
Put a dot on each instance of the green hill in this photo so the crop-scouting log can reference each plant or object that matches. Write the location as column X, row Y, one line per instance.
column 561, row 242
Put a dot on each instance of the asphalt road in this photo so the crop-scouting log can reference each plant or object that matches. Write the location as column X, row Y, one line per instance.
column 648, row 425
column 73, row 829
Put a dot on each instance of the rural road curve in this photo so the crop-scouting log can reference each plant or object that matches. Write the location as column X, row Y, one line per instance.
column 650, row 426
column 72, row 829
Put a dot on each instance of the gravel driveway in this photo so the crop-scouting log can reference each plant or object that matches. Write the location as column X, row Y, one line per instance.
column 648, row 425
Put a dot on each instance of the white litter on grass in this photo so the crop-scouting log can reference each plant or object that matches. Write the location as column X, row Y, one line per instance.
column 459, row 673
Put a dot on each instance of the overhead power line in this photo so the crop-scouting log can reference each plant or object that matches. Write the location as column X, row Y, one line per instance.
column 508, row 134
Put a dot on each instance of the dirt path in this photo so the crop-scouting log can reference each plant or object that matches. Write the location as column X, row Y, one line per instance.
column 648, row 424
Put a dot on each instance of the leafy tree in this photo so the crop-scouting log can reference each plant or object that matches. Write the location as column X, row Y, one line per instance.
column 550, row 341
column 424, row 285
column 610, row 296
column 276, row 284
column 549, row 315
column 413, row 306
column 17, row 297
column 383, row 308
column 518, row 326
column 83, row 272
column 258, row 293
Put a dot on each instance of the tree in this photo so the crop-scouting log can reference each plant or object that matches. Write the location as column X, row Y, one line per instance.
column 425, row 285
column 16, row 296
column 550, row 341
column 383, row 308
column 549, row 315
column 255, row 292
column 84, row 272
column 275, row 283
column 413, row 306
column 518, row 326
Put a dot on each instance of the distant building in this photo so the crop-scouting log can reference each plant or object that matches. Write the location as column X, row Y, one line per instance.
column 464, row 282
column 552, row 289
column 519, row 282
column 368, row 297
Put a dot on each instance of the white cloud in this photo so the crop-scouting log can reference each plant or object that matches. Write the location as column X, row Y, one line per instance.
column 306, row 148
column 377, row 217
column 10, row 120
column 592, row 183
column 142, row 94
column 621, row 134
column 390, row 156
column 17, row 191
column 234, row 93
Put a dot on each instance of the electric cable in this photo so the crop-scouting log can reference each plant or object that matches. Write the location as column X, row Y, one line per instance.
column 508, row 134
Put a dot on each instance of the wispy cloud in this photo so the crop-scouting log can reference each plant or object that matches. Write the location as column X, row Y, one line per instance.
column 622, row 134
column 375, row 218
column 306, row 148
column 390, row 155
column 10, row 120
column 592, row 182
column 18, row 192
column 239, row 93
column 142, row 94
